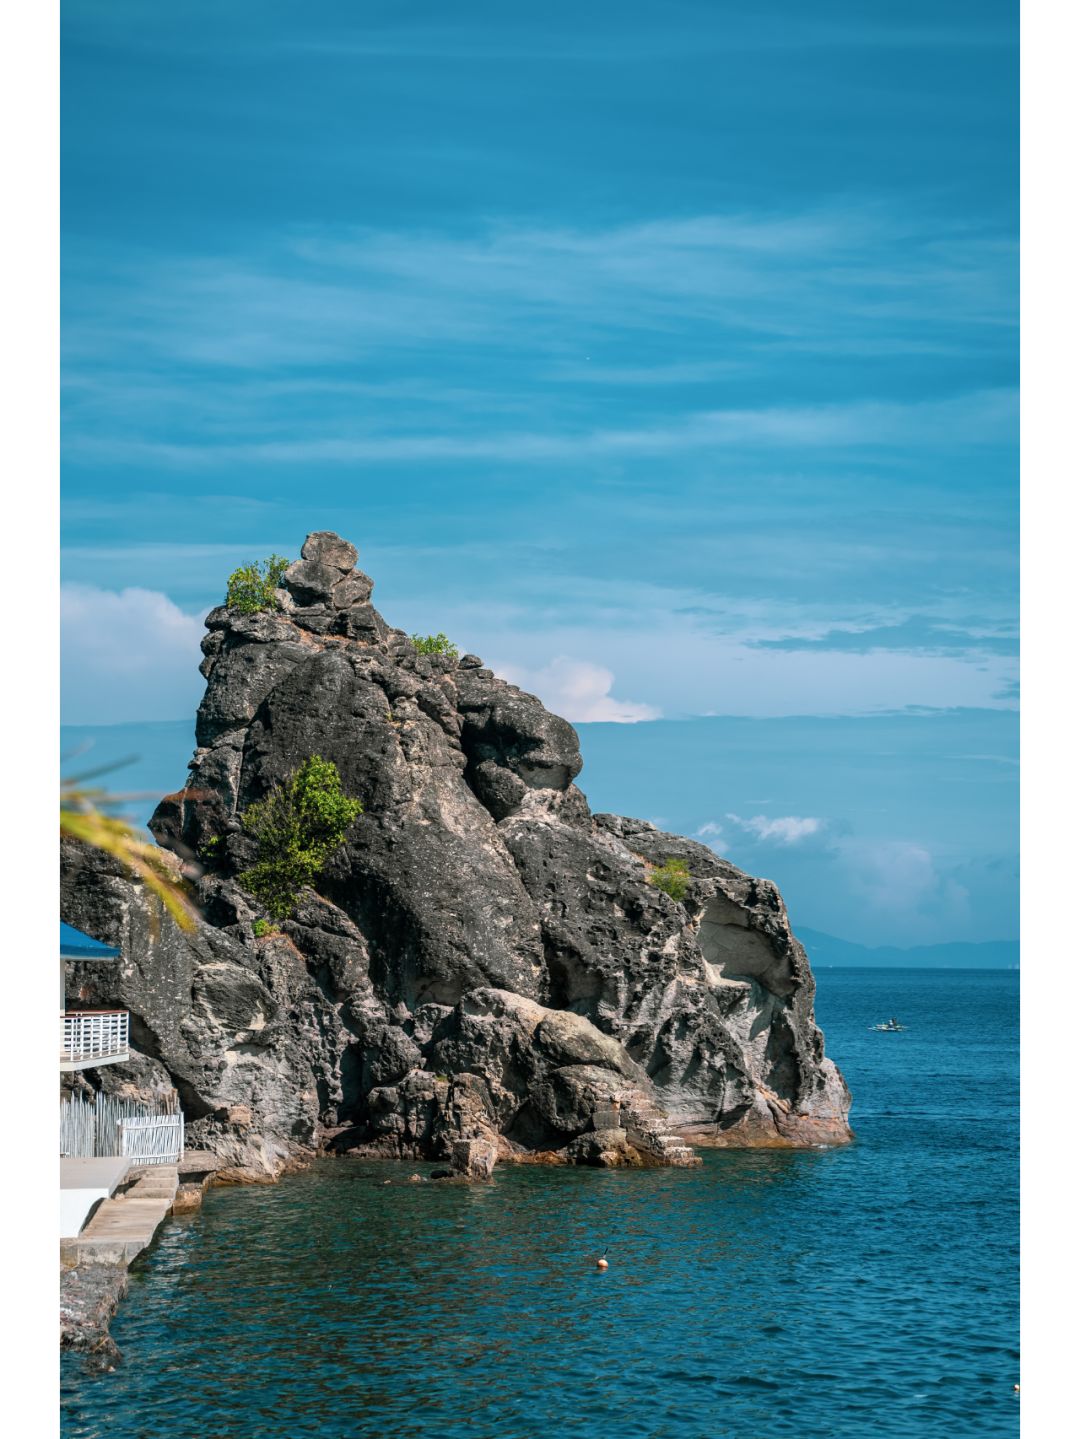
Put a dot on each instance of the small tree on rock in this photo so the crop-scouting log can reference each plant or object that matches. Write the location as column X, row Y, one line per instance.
column 297, row 828
column 254, row 587
column 435, row 645
column 673, row 877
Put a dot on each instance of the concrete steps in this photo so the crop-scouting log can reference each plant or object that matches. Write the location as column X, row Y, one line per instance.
column 123, row 1226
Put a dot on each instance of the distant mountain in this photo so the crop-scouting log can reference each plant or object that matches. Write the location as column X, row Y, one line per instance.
column 826, row 949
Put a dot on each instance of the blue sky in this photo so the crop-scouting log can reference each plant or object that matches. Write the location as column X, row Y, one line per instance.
column 663, row 354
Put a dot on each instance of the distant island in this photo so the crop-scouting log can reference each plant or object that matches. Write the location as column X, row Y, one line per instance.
column 825, row 950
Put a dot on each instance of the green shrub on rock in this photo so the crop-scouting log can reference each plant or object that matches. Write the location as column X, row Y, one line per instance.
column 262, row 928
column 254, row 587
column 297, row 828
column 435, row 645
column 673, row 877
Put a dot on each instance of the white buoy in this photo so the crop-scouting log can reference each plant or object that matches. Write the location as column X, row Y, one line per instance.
column 602, row 1264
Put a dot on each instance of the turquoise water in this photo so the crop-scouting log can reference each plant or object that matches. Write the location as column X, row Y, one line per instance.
column 867, row 1291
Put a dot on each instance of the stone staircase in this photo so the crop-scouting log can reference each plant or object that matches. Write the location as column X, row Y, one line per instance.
column 647, row 1128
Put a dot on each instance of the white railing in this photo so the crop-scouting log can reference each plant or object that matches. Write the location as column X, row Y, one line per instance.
column 90, row 1036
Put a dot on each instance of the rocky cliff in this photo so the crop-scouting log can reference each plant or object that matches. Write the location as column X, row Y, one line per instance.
column 484, row 958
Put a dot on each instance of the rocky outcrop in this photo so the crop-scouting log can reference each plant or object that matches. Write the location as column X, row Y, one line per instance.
column 485, row 959
column 89, row 1297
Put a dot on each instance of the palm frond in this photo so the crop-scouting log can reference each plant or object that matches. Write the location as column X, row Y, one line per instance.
column 82, row 818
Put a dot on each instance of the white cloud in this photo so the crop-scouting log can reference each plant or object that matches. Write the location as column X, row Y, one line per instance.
column 881, row 889
column 887, row 887
column 787, row 829
column 713, row 835
column 127, row 655
column 579, row 690
column 900, row 878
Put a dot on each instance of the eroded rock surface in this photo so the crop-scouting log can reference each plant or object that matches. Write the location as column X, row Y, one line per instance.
column 485, row 958
column 89, row 1297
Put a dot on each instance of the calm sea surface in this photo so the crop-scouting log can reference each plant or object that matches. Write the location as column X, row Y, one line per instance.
column 867, row 1292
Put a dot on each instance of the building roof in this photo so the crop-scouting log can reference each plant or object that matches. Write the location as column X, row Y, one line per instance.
column 76, row 945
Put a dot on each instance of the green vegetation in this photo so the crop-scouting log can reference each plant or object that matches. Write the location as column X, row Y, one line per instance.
column 298, row 826
column 673, row 877
column 435, row 645
column 254, row 587
column 210, row 849
column 263, row 927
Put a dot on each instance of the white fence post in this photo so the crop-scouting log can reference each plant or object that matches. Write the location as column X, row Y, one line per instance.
column 149, row 1132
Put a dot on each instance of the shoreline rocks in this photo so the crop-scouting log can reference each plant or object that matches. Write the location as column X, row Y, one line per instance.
column 473, row 1158
column 89, row 1297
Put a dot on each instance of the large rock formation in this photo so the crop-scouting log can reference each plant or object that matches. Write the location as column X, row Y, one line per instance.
column 484, row 958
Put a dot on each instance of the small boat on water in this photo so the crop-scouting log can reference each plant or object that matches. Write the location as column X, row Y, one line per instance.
column 888, row 1026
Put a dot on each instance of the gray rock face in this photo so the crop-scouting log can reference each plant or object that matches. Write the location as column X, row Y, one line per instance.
column 326, row 548
column 89, row 1296
column 485, row 959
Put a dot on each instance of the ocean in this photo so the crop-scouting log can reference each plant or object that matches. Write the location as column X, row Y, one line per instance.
column 864, row 1291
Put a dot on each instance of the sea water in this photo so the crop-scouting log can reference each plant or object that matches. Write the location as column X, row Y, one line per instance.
column 863, row 1291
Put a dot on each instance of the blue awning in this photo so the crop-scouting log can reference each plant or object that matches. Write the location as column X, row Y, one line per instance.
column 76, row 945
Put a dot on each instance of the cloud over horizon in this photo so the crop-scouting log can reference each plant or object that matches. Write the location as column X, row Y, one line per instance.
column 785, row 829
column 127, row 655
column 890, row 881
column 578, row 691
